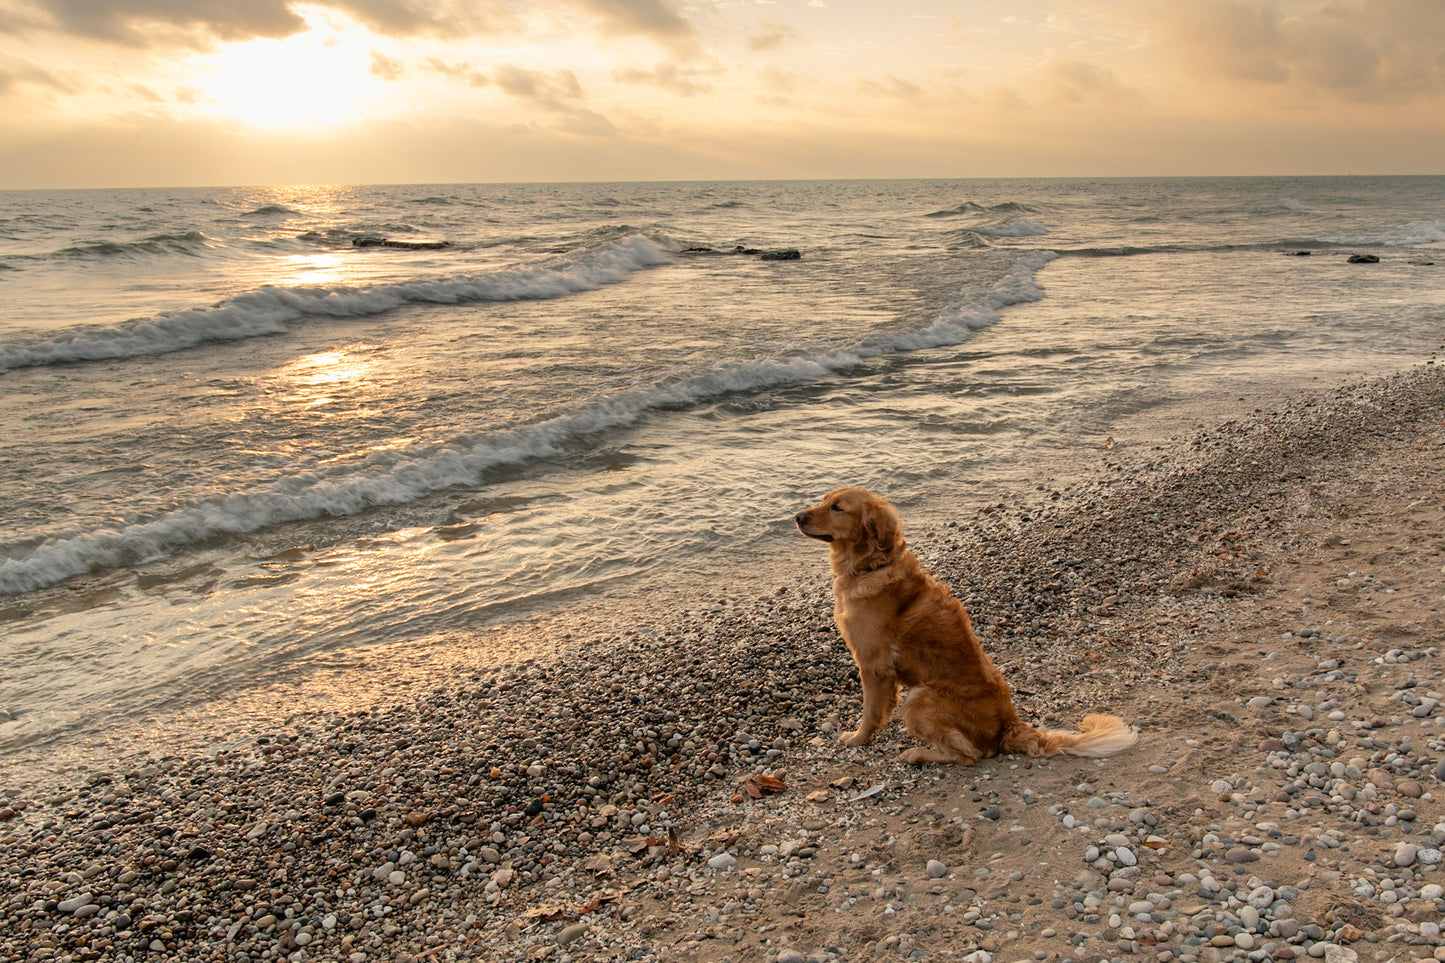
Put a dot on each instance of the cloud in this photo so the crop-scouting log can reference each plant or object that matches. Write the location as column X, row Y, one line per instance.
column 548, row 89
column 668, row 76
column 655, row 20
column 555, row 92
column 446, row 17
column 143, row 23
column 588, row 123
column 15, row 71
column 142, row 92
column 462, row 71
column 770, row 35
column 895, row 87
column 1372, row 51
column 385, row 67
column 777, row 85
column 132, row 22
column 1079, row 81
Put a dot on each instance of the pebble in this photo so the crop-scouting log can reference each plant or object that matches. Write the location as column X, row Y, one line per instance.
column 937, row 869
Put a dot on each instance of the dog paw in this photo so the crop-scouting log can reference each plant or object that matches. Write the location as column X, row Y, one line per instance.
column 855, row 738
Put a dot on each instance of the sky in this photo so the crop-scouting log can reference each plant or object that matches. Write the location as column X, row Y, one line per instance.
column 133, row 93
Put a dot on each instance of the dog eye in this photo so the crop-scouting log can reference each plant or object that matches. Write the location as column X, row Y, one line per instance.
column 837, row 507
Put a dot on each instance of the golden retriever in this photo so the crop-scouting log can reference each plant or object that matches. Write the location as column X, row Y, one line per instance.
column 904, row 628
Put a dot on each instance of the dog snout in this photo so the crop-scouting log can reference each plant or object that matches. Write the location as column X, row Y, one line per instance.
column 801, row 518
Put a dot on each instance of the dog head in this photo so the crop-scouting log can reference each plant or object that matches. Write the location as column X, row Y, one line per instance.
column 863, row 530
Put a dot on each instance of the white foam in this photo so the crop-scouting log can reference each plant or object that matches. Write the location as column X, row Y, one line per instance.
column 269, row 310
column 1397, row 235
column 958, row 323
column 1012, row 227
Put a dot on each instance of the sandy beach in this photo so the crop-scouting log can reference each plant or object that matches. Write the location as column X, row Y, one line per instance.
column 1261, row 598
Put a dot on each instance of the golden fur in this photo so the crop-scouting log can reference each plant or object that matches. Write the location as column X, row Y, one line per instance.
column 904, row 628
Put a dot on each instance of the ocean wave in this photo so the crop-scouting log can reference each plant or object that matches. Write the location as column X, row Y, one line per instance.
column 957, row 323
column 272, row 210
column 189, row 243
column 1012, row 227
column 1409, row 234
column 970, row 207
column 270, row 310
column 392, row 479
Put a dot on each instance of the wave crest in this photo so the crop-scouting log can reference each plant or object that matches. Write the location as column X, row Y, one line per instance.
column 269, row 310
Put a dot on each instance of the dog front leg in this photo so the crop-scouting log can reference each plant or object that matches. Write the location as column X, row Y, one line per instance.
column 880, row 698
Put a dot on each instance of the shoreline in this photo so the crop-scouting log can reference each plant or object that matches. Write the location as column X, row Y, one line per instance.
column 1258, row 599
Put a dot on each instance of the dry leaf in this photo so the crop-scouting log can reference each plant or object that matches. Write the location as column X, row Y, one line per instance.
column 598, row 864
column 547, row 913
column 758, row 786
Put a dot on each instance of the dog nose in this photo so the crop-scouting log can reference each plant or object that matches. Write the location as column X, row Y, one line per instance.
column 800, row 518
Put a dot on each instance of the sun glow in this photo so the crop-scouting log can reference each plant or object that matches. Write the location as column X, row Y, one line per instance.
column 318, row 78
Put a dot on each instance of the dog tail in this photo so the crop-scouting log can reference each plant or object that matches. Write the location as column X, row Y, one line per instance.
column 1099, row 736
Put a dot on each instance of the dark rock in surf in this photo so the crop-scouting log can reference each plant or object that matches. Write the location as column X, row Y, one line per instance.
column 1364, row 259
column 373, row 240
column 783, row 254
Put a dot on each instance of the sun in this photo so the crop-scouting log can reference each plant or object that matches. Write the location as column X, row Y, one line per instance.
column 320, row 77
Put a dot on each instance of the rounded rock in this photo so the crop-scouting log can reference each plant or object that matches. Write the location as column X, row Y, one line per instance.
column 572, row 934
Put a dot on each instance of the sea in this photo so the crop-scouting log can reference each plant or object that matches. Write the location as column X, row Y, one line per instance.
column 255, row 437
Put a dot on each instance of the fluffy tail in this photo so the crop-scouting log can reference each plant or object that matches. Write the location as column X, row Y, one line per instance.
column 1099, row 736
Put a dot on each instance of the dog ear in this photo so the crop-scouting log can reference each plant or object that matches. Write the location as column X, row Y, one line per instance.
column 882, row 528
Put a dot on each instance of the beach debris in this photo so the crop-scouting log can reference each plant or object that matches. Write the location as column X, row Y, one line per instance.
column 868, row 793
